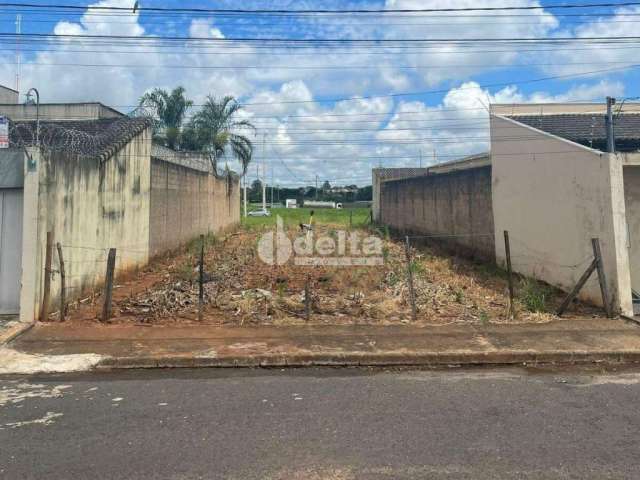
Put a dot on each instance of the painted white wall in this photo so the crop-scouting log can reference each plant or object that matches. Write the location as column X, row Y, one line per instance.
column 553, row 196
column 632, row 209
column 90, row 207
column 31, row 241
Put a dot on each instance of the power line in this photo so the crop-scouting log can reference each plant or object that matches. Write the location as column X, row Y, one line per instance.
column 318, row 67
column 339, row 41
column 320, row 11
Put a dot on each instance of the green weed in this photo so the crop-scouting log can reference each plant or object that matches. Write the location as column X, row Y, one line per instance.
column 534, row 295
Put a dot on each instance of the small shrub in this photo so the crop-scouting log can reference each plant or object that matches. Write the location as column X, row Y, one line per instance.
column 459, row 295
column 416, row 267
column 534, row 296
column 185, row 271
column 484, row 317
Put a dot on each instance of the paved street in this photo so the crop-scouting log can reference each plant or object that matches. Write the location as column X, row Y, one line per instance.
column 321, row 424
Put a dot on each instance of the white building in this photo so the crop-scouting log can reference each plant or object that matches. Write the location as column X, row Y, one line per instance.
column 555, row 187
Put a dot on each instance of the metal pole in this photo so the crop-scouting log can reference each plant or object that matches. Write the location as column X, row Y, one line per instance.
column 264, row 173
column 35, row 90
column 18, row 53
column 611, row 139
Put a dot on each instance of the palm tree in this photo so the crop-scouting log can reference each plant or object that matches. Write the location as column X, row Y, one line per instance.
column 215, row 129
column 169, row 108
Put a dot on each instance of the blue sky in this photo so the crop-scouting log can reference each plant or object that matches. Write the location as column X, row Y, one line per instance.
column 299, row 135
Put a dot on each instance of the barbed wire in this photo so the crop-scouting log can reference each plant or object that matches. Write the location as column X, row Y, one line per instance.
column 92, row 138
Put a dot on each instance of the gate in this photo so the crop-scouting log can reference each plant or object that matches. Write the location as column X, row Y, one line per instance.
column 10, row 249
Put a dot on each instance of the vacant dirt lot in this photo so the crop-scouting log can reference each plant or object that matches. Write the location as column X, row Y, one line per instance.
column 240, row 289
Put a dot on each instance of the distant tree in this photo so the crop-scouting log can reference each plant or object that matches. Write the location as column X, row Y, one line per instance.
column 365, row 194
column 169, row 109
column 326, row 186
column 216, row 130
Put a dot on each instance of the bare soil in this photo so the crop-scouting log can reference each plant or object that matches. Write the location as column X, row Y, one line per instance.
column 242, row 290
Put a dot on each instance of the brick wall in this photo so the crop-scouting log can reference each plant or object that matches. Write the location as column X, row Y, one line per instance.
column 186, row 203
column 456, row 205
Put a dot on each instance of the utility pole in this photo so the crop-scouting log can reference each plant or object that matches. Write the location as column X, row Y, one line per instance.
column 420, row 158
column 316, row 186
column 611, row 136
column 264, row 173
column 244, row 181
column 435, row 157
column 18, row 53
column 271, row 185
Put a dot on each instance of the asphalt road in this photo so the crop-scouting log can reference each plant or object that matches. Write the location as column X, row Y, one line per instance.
column 320, row 425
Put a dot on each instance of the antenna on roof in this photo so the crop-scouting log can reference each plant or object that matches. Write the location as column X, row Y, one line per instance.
column 18, row 56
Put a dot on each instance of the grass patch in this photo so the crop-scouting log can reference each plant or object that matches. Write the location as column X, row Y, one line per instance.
column 534, row 296
column 323, row 216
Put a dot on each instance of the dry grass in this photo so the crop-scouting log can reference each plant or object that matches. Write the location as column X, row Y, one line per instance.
column 242, row 290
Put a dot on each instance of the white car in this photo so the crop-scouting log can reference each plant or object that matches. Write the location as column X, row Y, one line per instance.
column 259, row 213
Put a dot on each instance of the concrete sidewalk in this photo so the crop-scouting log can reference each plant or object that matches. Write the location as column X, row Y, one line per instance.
column 562, row 342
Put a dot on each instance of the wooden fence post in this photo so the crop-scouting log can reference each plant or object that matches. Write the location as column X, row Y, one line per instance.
column 44, row 312
column 583, row 279
column 307, row 299
column 412, row 293
column 201, row 279
column 63, row 284
column 507, row 249
column 108, row 285
column 602, row 279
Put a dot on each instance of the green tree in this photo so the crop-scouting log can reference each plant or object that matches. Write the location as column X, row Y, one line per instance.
column 216, row 129
column 169, row 109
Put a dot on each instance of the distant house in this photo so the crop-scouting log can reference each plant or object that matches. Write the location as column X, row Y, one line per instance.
column 555, row 188
column 90, row 179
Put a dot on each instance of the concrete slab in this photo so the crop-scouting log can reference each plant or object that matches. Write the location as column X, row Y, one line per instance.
column 576, row 341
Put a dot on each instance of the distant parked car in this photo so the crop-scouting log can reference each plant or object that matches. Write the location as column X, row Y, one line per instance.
column 259, row 213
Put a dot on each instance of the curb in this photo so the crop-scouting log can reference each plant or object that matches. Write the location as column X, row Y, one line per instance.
column 14, row 332
column 374, row 360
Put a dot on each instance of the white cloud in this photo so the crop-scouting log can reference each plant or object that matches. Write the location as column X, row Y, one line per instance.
column 203, row 28
column 340, row 141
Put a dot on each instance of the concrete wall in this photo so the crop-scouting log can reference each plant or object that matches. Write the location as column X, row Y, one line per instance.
column 186, row 203
column 632, row 208
column 58, row 111
column 8, row 95
column 91, row 206
column 554, row 196
column 449, row 204
column 381, row 174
